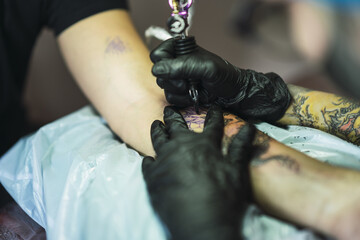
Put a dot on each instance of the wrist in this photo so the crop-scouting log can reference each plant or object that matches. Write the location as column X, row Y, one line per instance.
column 227, row 103
column 263, row 97
column 238, row 88
column 134, row 123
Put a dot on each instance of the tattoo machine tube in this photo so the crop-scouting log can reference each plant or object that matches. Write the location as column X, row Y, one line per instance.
column 185, row 46
column 178, row 23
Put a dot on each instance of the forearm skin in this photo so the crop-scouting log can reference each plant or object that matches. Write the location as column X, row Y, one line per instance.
column 334, row 114
column 111, row 65
column 293, row 186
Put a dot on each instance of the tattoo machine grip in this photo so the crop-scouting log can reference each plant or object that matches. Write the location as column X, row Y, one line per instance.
column 183, row 46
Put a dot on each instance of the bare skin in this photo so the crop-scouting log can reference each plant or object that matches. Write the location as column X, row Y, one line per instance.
column 104, row 54
column 285, row 181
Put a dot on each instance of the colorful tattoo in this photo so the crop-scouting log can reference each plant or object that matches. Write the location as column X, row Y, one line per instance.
column 333, row 114
column 343, row 119
column 195, row 121
column 115, row 46
column 306, row 118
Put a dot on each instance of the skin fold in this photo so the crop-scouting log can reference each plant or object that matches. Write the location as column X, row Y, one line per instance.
column 294, row 187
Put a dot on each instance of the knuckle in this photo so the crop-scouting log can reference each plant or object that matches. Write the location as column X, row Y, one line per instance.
column 154, row 56
column 160, row 82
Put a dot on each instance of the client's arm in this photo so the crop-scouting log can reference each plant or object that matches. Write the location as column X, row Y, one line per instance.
column 295, row 187
column 337, row 115
column 112, row 66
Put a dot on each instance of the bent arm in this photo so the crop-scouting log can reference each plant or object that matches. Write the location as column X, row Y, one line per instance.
column 337, row 115
column 111, row 64
column 295, row 187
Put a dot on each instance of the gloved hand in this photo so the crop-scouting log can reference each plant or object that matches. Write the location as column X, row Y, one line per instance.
column 249, row 94
column 197, row 192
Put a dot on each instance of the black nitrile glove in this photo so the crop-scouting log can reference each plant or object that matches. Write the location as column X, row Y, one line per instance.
column 247, row 93
column 198, row 193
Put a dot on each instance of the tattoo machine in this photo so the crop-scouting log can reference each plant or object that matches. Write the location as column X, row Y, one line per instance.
column 178, row 24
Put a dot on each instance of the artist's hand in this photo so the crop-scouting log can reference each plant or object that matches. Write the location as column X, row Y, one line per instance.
column 197, row 192
column 247, row 93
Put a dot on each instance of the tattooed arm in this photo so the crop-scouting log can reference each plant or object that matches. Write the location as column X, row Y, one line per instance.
column 295, row 187
column 111, row 64
column 337, row 115
column 307, row 192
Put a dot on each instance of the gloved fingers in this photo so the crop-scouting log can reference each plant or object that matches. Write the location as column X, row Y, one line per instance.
column 214, row 124
column 182, row 100
column 160, row 82
column 174, row 121
column 174, row 86
column 164, row 51
column 177, row 92
column 159, row 135
column 146, row 164
column 240, row 148
column 178, row 68
column 165, row 68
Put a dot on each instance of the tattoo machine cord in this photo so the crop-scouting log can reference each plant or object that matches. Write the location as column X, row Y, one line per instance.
column 178, row 25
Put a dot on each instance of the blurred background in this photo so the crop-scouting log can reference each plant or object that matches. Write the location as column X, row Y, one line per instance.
column 314, row 44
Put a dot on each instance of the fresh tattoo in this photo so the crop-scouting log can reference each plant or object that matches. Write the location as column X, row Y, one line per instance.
column 116, row 46
column 233, row 124
column 194, row 121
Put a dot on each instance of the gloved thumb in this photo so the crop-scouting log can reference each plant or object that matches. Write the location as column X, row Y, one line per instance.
column 241, row 147
column 239, row 154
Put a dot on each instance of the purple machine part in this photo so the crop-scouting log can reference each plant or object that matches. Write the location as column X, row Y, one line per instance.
column 185, row 7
